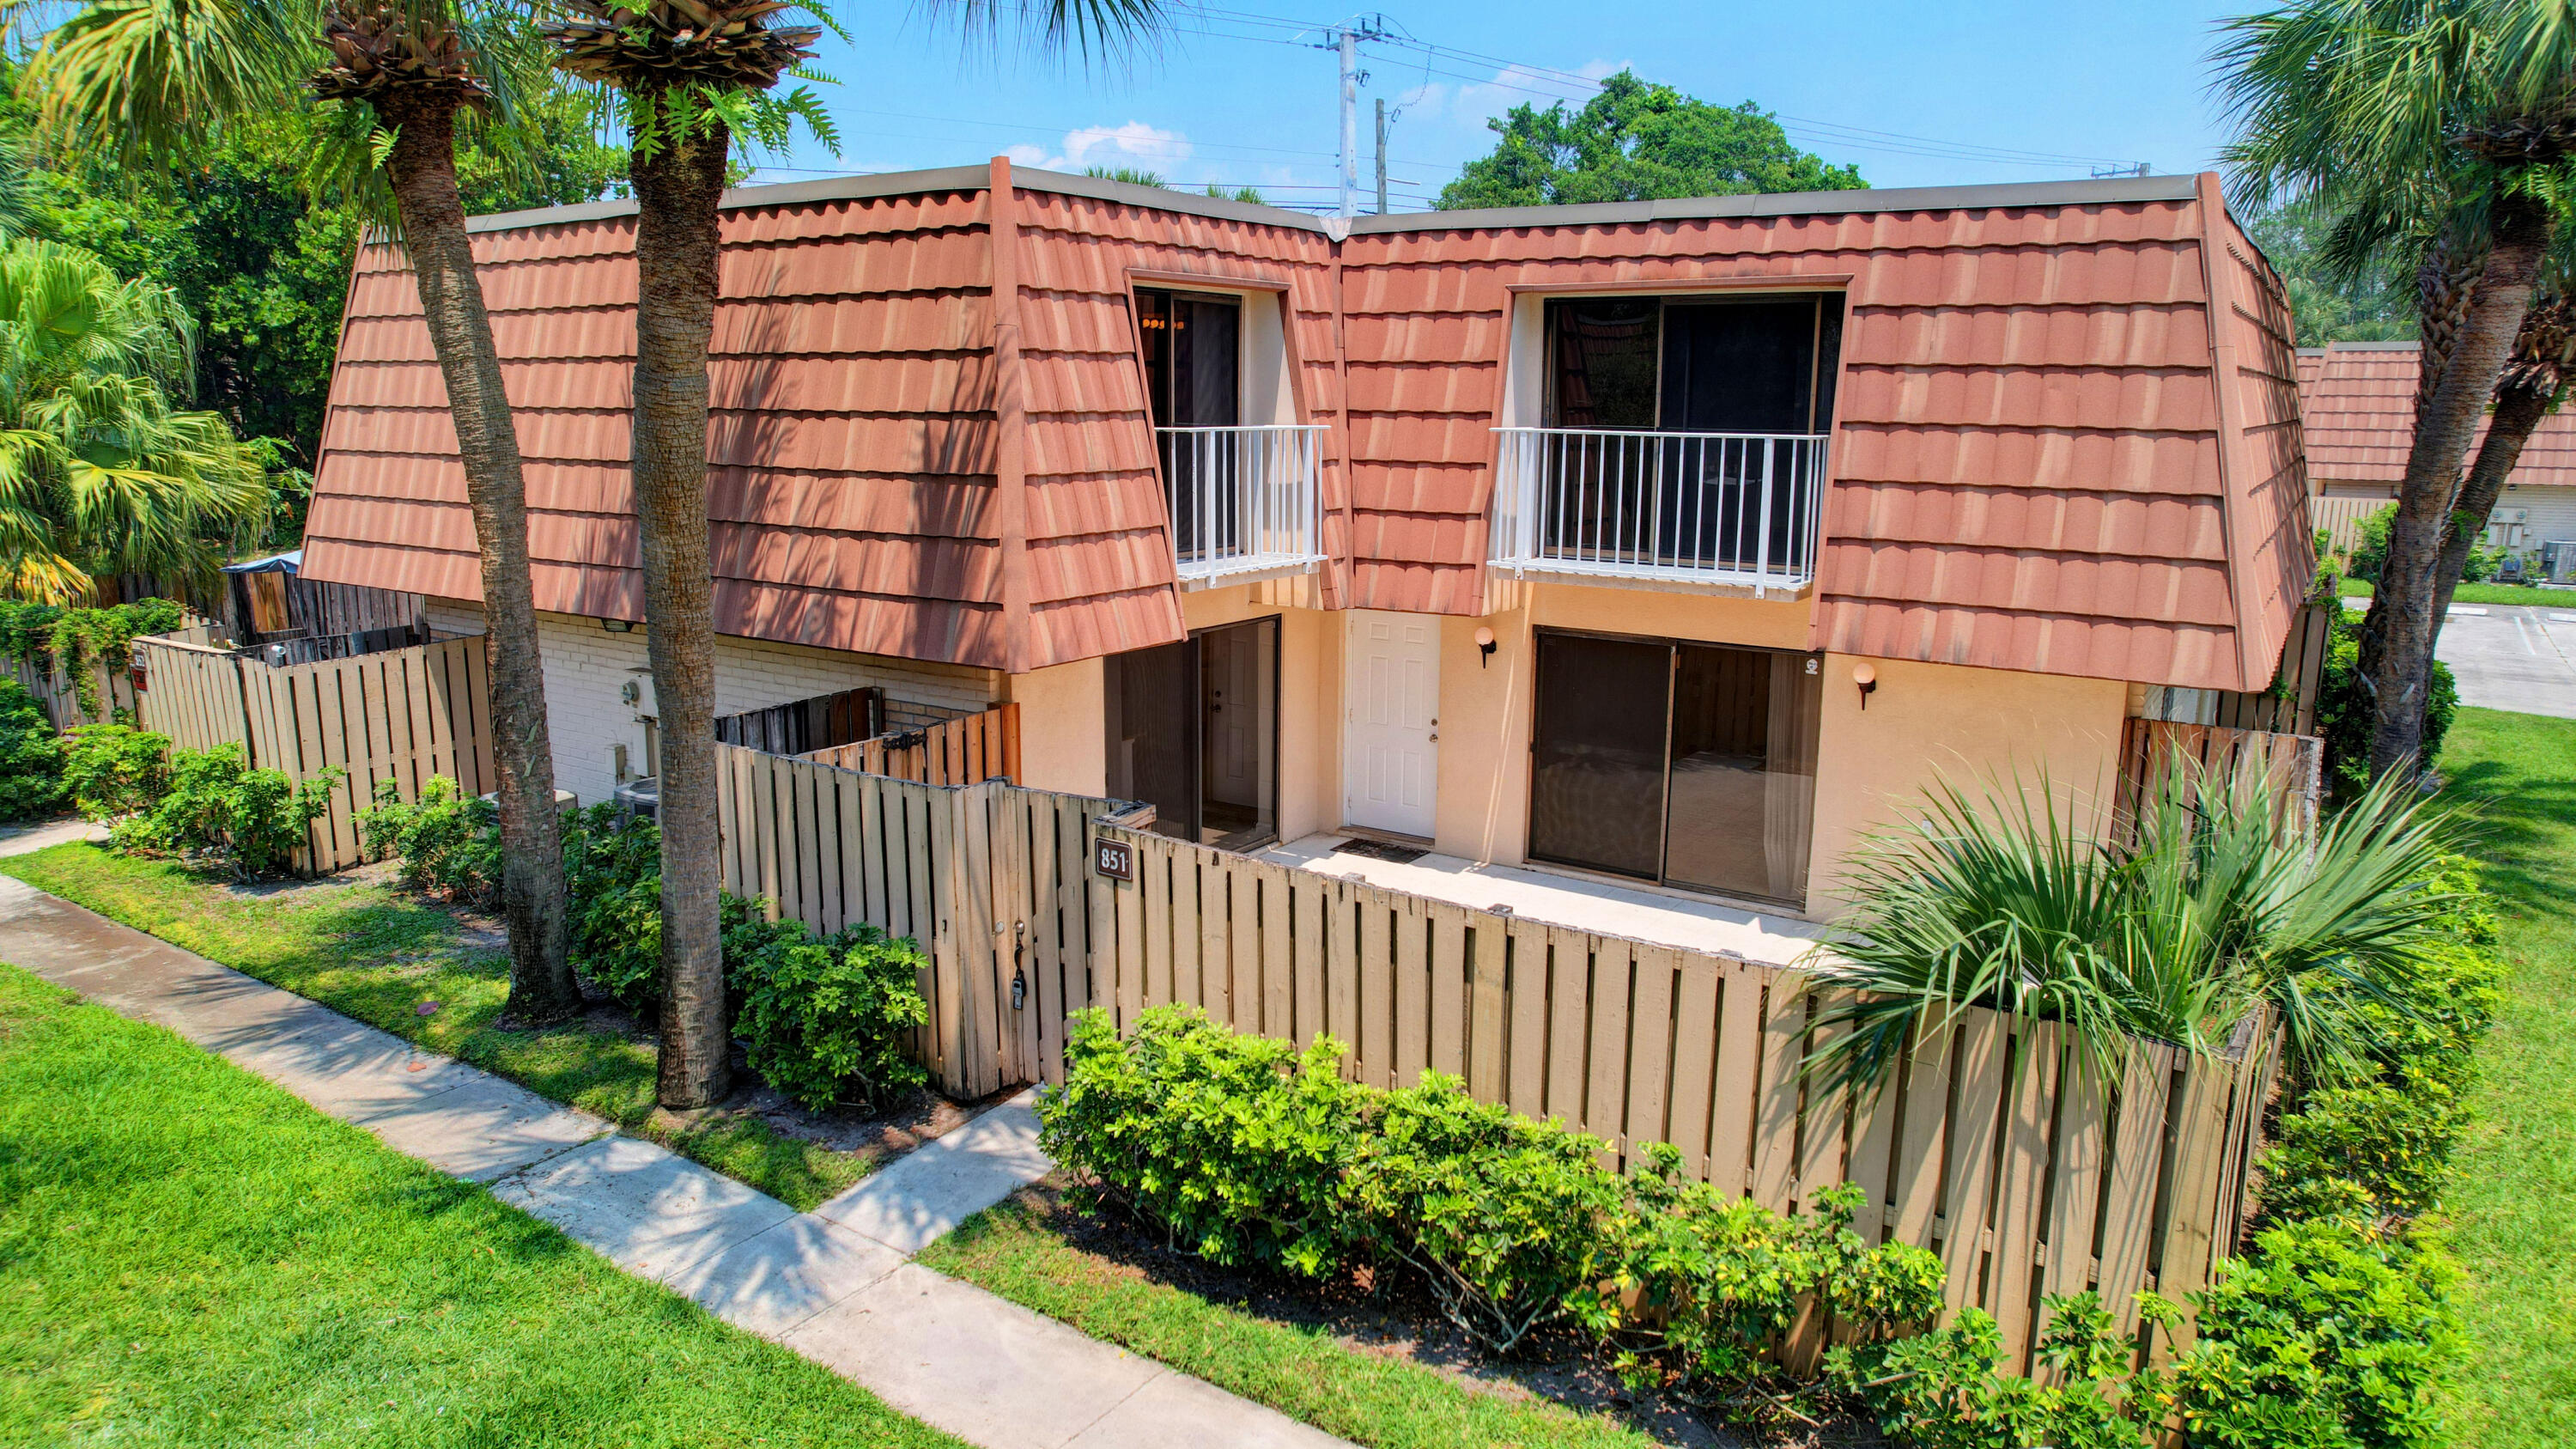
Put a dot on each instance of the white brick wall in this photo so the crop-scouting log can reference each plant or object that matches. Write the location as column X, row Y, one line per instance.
column 586, row 666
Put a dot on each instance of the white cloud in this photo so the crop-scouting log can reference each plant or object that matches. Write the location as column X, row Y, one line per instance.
column 1135, row 144
column 1473, row 102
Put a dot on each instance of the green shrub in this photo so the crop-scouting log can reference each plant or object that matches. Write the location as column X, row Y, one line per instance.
column 1250, row 1152
column 1945, row 1389
column 2343, row 707
column 216, row 804
column 1512, row 1223
column 2370, row 542
column 449, row 842
column 613, row 878
column 1711, row 1284
column 831, row 1020
column 1233, row 1144
column 2327, row 1334
column 114, row 771
column 31, row 756
column 83, row 640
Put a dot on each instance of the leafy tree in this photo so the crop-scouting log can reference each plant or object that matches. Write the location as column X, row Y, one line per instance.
column 99, row 472
column 260, row 262
column 2325, row 304
column 143, row 81
column 1638, row 141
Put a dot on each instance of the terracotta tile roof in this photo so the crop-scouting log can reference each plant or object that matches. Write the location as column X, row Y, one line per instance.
column 2359, row 398
column 2068, row 436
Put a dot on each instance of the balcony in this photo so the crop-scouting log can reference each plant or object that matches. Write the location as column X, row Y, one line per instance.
column 1662, row 508
column 1244, row 503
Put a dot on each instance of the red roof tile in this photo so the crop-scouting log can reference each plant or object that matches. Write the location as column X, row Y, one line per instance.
column 2359, row 402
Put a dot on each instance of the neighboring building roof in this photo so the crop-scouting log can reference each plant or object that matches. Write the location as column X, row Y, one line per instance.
column 2359, row 401
column 2067, row 441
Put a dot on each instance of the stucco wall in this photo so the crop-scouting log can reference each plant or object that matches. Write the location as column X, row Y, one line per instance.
column 586, row 666
column 1923, row 722
column 1063, row 716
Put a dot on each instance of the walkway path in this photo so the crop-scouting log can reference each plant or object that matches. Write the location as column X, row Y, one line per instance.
column 836, row 1285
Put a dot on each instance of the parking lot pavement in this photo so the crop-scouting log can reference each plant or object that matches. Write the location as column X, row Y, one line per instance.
column 2520, row 657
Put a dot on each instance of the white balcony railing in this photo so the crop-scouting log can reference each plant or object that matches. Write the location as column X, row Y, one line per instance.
column 1243, row 501
column 1721, row 508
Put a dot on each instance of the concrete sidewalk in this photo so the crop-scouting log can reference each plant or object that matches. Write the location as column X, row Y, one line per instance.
column 836, row 1285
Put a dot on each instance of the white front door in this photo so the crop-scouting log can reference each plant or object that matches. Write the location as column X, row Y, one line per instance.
column 1390, row 745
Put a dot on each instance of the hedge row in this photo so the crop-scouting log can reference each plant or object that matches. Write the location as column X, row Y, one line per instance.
column 2326, row 1334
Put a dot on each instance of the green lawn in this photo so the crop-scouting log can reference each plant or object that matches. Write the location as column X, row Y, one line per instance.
column 1305, row 1373
column 2484, row 594
column 189, row 1256
column 375, row 954
column 2512, row 1209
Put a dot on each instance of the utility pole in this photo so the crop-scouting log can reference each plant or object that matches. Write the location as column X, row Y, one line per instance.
column 1344, row 40
column 1381, row 155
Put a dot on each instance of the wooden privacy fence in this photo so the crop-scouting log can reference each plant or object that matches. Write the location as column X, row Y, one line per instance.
column 1997, row 1146
column 961, row 751
column 2151, row 750
column 2340, row 519
column 402, row 715
column 2290, row 706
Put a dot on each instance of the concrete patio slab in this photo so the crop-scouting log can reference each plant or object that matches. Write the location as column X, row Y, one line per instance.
column 482, row 1130
column 641, row 1207
column 925, row 1194
column 774, row 1280
column 960, row 1359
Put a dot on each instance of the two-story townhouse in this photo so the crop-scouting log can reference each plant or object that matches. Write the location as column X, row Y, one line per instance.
column 1655, row 549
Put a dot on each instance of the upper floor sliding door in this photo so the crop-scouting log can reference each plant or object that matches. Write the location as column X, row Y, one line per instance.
column 1681, row 435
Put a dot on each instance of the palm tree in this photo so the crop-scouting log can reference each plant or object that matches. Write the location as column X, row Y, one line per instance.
column 2218, row 907
column 692, row 77
column 2544, row 354
column 99, row 474
column 142, row 78
column 2404, row 108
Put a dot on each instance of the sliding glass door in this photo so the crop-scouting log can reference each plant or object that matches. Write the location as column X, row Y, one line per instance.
column 1193, row 729
column 1687, row 764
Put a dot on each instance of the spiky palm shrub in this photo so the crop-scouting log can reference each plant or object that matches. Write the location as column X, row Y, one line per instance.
column 2219, row 907
column 99, row 472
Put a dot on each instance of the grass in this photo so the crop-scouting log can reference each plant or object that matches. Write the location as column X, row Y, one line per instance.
column 2484, row 594
column 2512, row 1208
column 374, row 954
column 189, row 1256
column 1305, row 1373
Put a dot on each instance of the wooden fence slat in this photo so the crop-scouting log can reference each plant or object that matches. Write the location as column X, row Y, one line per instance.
column 1488, row 1042
column 1308, row 915
column 1242, row 960
column 1528, row 990
column 1345, row 971
column 1694, row 1059
column 1970, row 1173
column 1739, row 1066
column 1605, row 1100
column 2023, row 1184
column 1650, row 1049
column 1377, row 987
column 1412, row 988
column 1569, row 1032
column 1775, row 1124
column 1922, row 1143
column 1278, row 972
column 1448, row 963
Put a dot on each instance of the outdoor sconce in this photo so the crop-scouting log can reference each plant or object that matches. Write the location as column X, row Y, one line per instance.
column 618, row 626
column 1484, row 646
column 1867, row 678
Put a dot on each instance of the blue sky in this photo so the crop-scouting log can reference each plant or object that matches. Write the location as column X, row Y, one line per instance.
column 1915, row 93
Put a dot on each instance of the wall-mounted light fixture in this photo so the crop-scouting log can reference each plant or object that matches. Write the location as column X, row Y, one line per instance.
column 618, row 626
column 1867, row 678
column 1484, row 646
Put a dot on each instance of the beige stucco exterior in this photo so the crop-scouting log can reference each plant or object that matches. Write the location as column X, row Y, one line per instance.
column 1922, row 724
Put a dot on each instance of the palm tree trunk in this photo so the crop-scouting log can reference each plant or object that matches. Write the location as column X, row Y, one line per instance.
column 2519, row 407
column 422, row 167
column 676, row 191
column 2443, row 430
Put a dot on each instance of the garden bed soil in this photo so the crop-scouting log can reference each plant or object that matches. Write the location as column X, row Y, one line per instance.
column 1391, row 1316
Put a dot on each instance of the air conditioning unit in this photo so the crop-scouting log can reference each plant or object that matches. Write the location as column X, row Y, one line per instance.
column 2558, row 561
